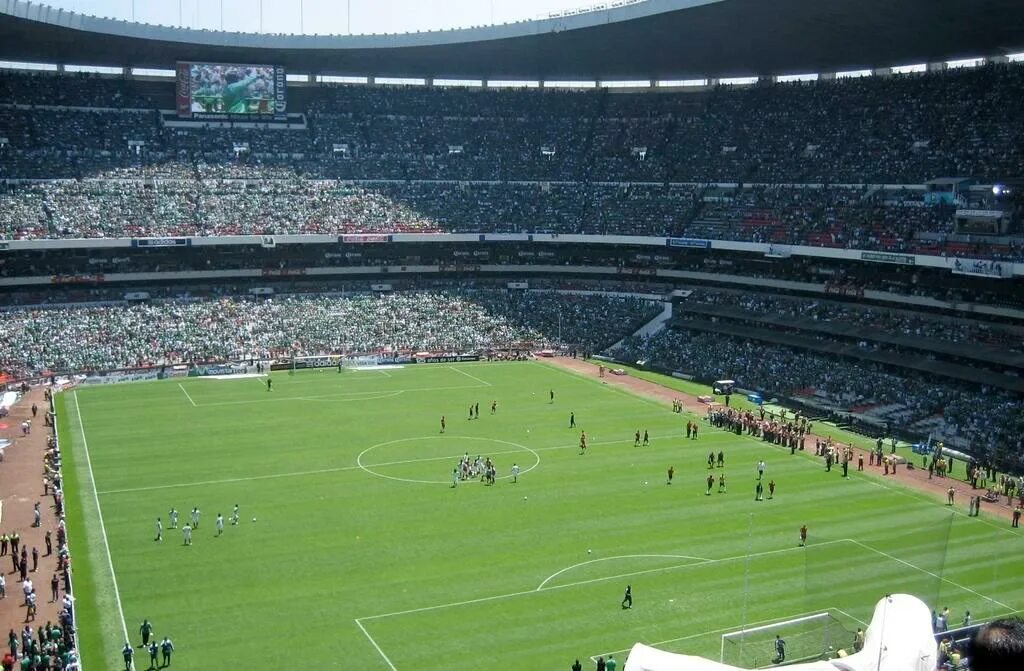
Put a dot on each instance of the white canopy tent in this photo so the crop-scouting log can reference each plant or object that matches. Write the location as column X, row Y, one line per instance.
column 899, row 638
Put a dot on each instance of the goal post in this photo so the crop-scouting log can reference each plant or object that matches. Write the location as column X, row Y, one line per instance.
column 806, row 638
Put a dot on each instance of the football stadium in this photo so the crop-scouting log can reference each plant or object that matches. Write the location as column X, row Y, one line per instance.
column 649, row 335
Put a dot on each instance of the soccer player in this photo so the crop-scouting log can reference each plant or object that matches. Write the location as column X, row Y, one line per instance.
column 671, row 473
column 780, row 650
column 711, row 460
column 647, row 438
column 572, row 420
column 127, row 653
column 760, row 469
column 234, row 516
column 721, row 459
column 173, row 516
column 1016, row 518
column 455, row 477
column 270, row 384
column 858, row 640
column 195, row 517
column 583, row 442
column 711, row 483
column 515, row 473
column 159, row 530
column 759, row 492
column 146, row 630
column 627, row 598
column 636, row 438
column 166, row 647
column 552, row 394
column 803, row 535
column 220, row 524
column 771, row 489
column 494, row 407
column 721, row 484
column 186, row 532
column 442, row 423
column 152, row 654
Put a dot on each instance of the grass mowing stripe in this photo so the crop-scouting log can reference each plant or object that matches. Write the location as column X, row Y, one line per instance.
column 934, row 575
column 339, row 469
column 91, row 484
column 542, row 588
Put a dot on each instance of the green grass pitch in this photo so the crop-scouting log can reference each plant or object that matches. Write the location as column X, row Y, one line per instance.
column 363, row 556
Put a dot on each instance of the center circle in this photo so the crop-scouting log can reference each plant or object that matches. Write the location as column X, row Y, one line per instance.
column 370, row 468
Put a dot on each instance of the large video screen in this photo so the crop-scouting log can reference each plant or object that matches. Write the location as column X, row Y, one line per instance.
column 219, row 89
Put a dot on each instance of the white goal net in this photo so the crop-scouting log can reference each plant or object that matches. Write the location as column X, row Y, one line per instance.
column 803, row 639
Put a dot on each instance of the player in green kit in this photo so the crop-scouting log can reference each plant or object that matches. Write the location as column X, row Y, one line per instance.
column 235, row 91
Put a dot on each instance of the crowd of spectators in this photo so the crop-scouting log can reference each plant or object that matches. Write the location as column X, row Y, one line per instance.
column 899, row 129
column 518, row 160
column 68, row 338
column 988, row 419
column 129, row 204
column 883, row 320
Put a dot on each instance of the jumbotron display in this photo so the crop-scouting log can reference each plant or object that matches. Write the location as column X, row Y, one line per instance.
column 217, row 89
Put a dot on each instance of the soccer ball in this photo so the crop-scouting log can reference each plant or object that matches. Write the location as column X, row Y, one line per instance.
column 254, row 519
column 590, row 552
column 524, row 498
column 645, row 482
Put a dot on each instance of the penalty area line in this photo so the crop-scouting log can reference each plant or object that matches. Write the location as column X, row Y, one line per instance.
column 470, row 376
column 387, row 660
column 184, row 391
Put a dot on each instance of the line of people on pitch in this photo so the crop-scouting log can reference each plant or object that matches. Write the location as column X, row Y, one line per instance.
column 165, row 648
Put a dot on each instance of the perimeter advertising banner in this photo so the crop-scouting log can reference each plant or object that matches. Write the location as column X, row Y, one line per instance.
column 222, row 90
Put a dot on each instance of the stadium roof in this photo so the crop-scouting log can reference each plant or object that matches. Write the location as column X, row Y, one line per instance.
column 657, row 39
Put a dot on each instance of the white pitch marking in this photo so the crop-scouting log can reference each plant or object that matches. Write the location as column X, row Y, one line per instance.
column 99, row 514
column 374, row 644
column 359, row 458
column 335, row 395
column 321, row 471
column 187, row 395
column 593, row 561
column 470, row 376
column 934, row 575
column 498, row 597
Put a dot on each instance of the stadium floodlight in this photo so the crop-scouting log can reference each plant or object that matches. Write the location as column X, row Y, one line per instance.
column 909, row 69
column 626, row 83
column 512, row 83
column 94, row 69
column 401, row 81
column 153, row 72
column 1015, row 58
column 570, row 84
column 851, row 74
column 680, row 83
column 737, row 81
column 21, row 65
column 458, row 82
column 808, row 77
column 341, row 79
column 965, row 63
